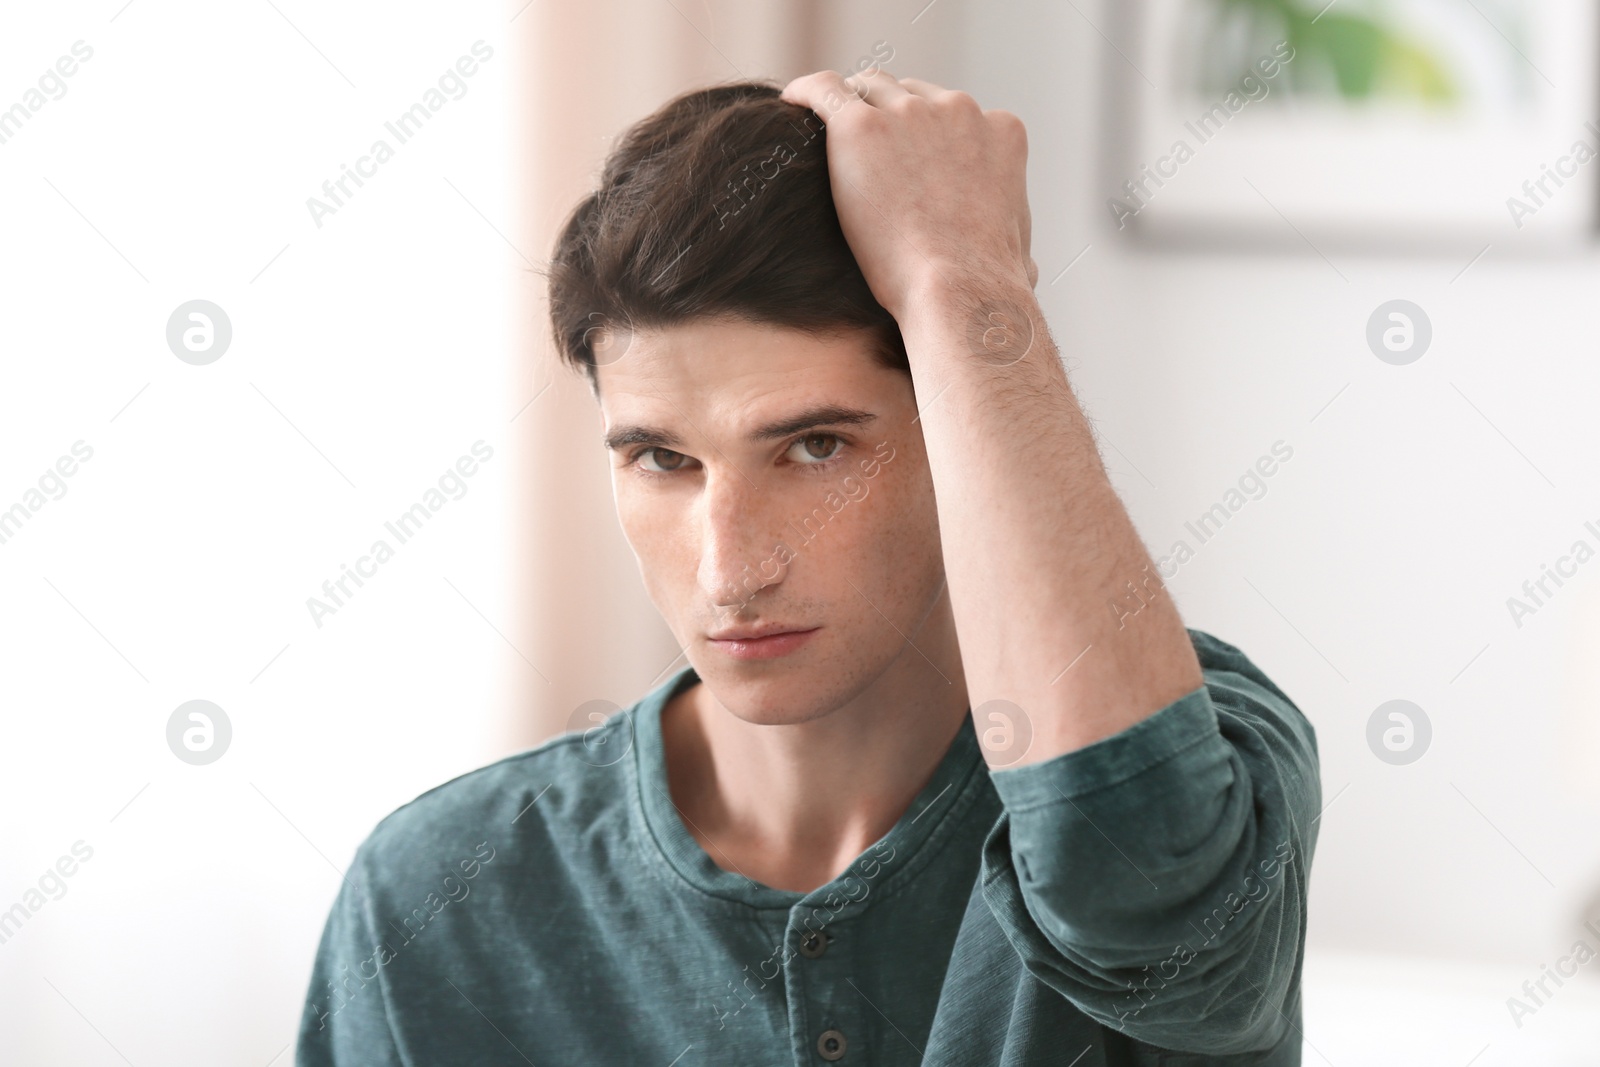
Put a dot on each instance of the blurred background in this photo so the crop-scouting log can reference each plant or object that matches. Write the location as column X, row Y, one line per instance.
column 243, row 343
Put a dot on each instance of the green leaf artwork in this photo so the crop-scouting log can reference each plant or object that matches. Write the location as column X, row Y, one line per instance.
column 1367, row 55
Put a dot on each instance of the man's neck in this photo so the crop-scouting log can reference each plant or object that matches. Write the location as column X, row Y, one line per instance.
column 792, row 806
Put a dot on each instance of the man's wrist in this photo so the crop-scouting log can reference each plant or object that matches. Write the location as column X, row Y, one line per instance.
column 995, row 312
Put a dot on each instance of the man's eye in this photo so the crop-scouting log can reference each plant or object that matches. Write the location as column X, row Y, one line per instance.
column 671, row 465
column 809, row 455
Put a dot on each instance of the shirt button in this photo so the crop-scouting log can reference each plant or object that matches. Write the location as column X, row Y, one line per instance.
column 814, row 943
column 830, row 1044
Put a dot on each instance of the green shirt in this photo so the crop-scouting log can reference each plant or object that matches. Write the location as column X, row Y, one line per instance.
column 1144, row 893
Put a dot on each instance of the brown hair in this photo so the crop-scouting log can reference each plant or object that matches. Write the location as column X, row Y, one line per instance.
column 717, row 204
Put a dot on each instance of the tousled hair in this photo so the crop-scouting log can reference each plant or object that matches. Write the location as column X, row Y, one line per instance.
column 717, row 204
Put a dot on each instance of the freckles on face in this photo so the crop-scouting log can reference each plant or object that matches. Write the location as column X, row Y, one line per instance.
column 766, row 477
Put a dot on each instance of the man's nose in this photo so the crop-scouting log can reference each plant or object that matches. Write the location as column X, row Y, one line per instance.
column 739, row 541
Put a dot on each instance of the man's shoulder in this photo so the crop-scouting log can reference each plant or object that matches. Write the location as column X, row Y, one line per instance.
column 532, row 801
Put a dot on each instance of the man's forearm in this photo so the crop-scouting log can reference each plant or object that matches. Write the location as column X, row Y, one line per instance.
column 1039, row 551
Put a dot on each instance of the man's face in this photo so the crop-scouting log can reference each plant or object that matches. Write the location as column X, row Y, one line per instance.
column 739, row 522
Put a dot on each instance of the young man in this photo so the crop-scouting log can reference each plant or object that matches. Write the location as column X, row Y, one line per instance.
column 945, row 780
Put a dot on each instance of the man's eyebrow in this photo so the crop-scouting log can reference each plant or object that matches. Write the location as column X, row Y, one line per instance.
column 809, row 419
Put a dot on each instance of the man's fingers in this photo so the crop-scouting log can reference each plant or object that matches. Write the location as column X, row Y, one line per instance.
column 876, row 86
column 826, row 92
column 923, row 88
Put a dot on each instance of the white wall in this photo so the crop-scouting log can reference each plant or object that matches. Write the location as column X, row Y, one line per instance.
column 367, row 356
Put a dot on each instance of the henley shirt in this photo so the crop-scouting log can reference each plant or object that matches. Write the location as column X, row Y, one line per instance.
column 1137, row 901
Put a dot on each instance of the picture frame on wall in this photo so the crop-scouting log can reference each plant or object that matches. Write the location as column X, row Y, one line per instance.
column 1434, row 124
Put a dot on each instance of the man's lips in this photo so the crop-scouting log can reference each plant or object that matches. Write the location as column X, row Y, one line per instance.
column 756, row 633
column 771, row 643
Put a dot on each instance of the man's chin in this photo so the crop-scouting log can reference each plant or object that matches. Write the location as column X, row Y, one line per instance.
column 763, row 698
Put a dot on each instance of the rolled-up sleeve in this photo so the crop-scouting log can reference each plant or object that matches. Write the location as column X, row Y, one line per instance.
column 1157, row 878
